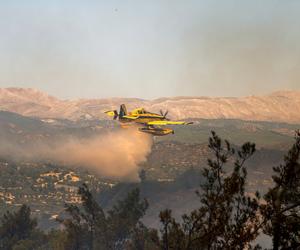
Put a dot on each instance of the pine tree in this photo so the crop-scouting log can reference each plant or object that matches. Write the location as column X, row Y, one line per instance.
column 282, row 211
column 227, row 218
column 143, row 238
column 90, row 228
column 87, row 226
column 56, row 239
column 124, row 217
column 17, row 227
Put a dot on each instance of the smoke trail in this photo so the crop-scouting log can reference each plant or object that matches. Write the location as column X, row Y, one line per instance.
column 114, row 154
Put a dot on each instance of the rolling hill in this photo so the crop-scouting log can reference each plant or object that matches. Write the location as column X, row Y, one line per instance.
column 282, row 106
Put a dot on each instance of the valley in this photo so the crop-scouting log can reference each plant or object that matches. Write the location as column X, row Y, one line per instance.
column 172, row 171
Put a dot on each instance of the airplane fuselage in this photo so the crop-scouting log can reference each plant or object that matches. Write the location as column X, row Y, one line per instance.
column 143, row 119
column 148, row 122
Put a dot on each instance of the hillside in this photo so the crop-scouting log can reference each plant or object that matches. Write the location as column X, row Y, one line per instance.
column 169, row 167
column 282, row 106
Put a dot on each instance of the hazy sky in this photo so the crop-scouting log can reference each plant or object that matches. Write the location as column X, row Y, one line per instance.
column 150, row 48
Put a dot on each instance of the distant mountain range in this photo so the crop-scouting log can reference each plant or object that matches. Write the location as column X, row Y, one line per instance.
column 172, row 168
column 281, row 106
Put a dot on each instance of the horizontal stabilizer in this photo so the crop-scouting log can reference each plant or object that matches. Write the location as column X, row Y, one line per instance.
column 113, row 113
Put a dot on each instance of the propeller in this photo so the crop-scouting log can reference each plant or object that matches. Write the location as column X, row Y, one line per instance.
column 164, row 114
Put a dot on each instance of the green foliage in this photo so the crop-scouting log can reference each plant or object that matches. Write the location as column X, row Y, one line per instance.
column 143, row 238
column 18, row 230
column 173, row 236
column 56, row 239
column 283, row 202
column 125, row 215
column 227, row 217
column 90, row 228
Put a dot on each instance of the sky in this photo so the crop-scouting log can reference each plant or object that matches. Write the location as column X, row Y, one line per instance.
column 150, row 49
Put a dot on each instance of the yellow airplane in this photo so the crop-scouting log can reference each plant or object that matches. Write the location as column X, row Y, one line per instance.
column 151, row 123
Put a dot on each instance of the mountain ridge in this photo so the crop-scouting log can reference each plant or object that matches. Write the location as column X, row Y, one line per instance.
column 279, row 106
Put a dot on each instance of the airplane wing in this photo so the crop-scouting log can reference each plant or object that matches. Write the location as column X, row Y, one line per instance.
column 162, row 123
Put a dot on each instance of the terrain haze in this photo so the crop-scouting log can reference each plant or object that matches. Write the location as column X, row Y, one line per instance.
column 280, row 106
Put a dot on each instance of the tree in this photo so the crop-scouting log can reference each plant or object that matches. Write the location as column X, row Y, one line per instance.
column 90, row 228
column 142, row 175
column 173, row 235
column 17, row 228
column 143, row 238
column 87, row 225
column 227, row 218
column 56, row 239
column 282, row 211
column 124, row 216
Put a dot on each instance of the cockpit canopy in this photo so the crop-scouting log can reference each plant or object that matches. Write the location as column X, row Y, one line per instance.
column 139, row 111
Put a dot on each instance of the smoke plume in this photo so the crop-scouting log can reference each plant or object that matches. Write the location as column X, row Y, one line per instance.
column 115, row 154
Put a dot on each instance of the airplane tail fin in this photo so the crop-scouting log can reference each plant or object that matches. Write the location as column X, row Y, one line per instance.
column 113, row 113
column 123, row 111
